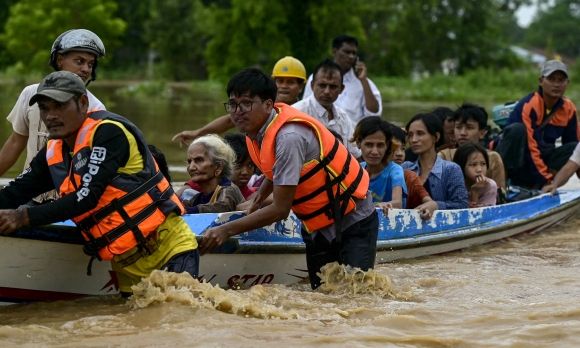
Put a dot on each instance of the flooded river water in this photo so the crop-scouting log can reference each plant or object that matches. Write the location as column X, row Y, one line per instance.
column 518, row 293
column 521, row 292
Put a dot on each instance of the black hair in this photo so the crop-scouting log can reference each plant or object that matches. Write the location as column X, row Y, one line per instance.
column 161, row 161
column 370, row 125
column 339, row 40
column 237, row 141
column 443, row 113
column 464, row 151
column 433, row 125
column 398, row 134
column 468, row 111
column 254, row 81
column 327, row 65
column 336, row 135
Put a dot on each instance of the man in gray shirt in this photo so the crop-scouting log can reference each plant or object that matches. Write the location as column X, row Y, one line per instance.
column 289, row 155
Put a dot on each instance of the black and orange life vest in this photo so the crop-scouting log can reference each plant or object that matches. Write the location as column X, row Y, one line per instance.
column 327, row 184
column 132, row 206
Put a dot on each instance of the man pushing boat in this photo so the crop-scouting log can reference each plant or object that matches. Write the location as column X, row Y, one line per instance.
column 308, row 171
column 108, row 184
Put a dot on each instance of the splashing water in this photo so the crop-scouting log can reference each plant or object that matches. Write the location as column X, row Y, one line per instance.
column 163, row 286
column 348, row 281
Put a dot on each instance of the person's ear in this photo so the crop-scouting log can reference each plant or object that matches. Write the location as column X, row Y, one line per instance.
column 482, row 133
column 218, row 170
column 84, row 103
column 59, row 59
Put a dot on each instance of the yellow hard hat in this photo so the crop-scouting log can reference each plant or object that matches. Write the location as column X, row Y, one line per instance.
column 289, row 67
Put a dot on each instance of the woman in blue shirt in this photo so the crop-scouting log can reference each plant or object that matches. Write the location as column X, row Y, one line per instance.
column 442, row 179
column 387, row 185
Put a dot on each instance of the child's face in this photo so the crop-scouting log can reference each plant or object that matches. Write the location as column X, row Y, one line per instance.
column 373, row 148
column 399, row 154
column 475, row 166
column 243, row 172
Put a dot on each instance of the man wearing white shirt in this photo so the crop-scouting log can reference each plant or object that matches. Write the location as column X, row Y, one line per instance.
column 327, row 86
column 76, row 51
column 360, row 98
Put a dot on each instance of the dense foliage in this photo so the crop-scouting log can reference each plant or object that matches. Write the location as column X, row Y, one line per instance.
column 197, row 39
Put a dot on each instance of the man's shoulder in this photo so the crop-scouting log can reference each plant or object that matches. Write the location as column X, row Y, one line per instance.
column 447, row 154
column 94, row 102
column 302, row 105
column 29, row 91
column 569, row 105
column 493, row 155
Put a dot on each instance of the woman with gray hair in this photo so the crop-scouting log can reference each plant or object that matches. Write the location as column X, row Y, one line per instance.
column 210, row 163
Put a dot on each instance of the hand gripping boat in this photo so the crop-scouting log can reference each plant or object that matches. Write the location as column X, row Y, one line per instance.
column 47, row 263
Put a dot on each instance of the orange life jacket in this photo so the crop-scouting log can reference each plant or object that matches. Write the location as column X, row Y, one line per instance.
column 132, row 206
column 326, row 185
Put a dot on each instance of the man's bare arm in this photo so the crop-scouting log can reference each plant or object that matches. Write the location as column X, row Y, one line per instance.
column 11, row 150
column 371, row 103
column 217, row 126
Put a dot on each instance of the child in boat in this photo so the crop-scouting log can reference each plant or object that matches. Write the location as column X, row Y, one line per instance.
column 244, row 167
column 417, row 197
column 387, row 185
column 474, row 162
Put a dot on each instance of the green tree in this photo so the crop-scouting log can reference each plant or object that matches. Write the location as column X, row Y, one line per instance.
column 5, row 58
column 259, row 33
column 133, row 46
column 176, row 32
column 34, row 25
column 559, row 22
column 426, row 32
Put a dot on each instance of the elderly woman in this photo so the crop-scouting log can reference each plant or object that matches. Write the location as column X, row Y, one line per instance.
column 210, row 165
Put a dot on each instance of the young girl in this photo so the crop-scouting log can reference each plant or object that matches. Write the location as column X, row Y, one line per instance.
column 474, row 162
column 387, row 185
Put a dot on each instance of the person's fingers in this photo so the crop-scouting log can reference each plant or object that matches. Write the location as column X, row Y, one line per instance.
column 178, row 135
column 206, row 246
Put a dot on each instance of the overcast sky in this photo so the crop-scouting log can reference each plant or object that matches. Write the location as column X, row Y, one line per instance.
column 525, row 14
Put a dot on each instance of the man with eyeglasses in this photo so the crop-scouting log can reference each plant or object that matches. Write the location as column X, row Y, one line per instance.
column 307, row 171
column 288, row 73
column 528, row 143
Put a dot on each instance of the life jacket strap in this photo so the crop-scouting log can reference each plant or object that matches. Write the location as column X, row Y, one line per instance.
column 338, row 203
column 322, row 164
column 89, row 222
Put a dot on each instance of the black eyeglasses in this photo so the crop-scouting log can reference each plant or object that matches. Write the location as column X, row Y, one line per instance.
column 244, row 106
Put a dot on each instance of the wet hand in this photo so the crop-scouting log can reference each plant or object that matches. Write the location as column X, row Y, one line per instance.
column 212, row 239
column 385, row 206
column 427, row 209
column 550, row 188
column 11, row 220
column 185, row 137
